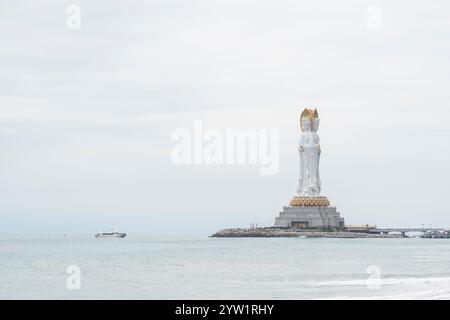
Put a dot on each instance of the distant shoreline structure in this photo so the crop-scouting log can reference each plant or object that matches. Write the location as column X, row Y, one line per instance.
column 287, row 232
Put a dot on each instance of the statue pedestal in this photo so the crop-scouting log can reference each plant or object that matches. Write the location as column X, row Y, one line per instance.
column 309, row 217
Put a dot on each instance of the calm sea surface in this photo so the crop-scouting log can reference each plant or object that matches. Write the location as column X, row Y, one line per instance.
column 164, row 267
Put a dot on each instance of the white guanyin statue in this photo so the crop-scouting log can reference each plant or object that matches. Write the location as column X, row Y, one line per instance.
column 309, row 148
column 307, row 208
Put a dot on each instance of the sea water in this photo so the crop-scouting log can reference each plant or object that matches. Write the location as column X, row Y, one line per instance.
column 199, row 267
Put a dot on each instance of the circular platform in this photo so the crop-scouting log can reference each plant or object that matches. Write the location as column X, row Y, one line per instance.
column 310, row 202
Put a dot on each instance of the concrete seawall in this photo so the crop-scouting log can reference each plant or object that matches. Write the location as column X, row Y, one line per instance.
column 294, row 233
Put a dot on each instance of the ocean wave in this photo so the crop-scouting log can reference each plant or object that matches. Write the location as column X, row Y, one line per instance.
column 443, row 294
column 382, row 281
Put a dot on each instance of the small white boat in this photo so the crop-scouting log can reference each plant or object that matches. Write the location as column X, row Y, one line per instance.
column 112, row 234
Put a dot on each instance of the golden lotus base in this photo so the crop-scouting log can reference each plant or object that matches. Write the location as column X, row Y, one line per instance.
column 310, row 202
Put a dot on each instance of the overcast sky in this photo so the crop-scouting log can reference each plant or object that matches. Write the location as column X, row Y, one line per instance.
column 86, row 116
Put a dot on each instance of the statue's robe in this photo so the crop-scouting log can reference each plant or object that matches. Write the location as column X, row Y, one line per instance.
column 309, row 180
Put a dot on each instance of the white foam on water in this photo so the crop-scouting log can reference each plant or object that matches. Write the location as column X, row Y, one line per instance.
column 420, row 295
column 382, row 281
column 431, row 288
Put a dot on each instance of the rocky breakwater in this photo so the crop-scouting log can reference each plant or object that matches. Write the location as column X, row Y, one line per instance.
column 294, row 233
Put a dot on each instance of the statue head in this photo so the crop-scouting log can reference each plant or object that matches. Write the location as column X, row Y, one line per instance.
column 309, row 120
